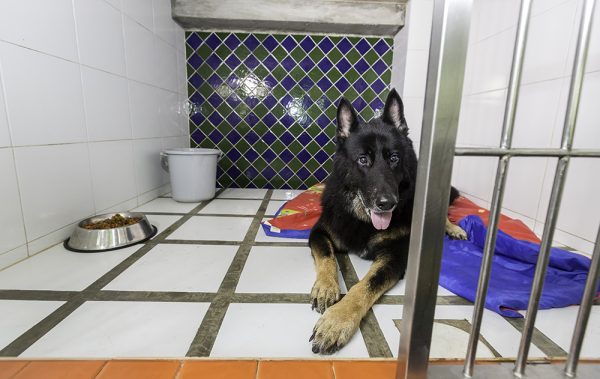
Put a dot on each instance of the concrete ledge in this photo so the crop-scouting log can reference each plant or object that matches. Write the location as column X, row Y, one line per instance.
column 359, row 17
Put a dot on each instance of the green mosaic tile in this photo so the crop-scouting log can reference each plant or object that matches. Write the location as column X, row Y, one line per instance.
column 279, row 73
column 277, row 163
column 386, row 76
column 334, row 75
column 316, row 55
column 261, row 72
column 261, row 53
column 261, row 111
column 277, row 100
column 223, row 52
column 279, row 53
column 352, row 75
column 371, row 57
column 295, row 164
column 334, row 55
column 312, row 165
column 297, row 74
column 204, row 51
column 298, row 54
column 223, row 71
column 260, row 147
column 295, row 182
column 260, row 181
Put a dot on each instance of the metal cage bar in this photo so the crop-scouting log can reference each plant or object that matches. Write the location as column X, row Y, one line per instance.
column 578, row 73
column 583, row 315
column 508, row 123
column 445, row 73
column 440, row 121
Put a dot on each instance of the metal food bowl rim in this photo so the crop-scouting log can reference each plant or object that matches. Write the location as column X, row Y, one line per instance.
column 108, row 215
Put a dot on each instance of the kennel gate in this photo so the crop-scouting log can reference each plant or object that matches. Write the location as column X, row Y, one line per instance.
column 445, row 74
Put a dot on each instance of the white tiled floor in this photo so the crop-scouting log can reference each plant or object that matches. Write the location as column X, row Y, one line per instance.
column 17, row 316
column 450, row 342
column 274, row 330
column 273, row 207
column 259, row 326
column 166, row 205
column 274, row 269
column 547, row 321
column 211, row 228
column 232, row 206
column 285, row 194
column 100, row 329
column 162, row 221
column 243, row 193
column 177, row 268
column 61, row 270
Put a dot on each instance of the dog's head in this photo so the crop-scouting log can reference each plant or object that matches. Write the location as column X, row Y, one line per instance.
column 377, row 160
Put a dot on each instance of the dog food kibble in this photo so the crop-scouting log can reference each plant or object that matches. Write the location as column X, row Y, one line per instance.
column 115, row 221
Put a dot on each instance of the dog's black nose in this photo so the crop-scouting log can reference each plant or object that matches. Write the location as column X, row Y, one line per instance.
column 385, row 203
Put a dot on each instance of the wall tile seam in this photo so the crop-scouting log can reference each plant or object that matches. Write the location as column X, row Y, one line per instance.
column 514, row 26
column 84, row 107
column 94, row 68
column 12, row 151
column 133, row 139
column 535, row 219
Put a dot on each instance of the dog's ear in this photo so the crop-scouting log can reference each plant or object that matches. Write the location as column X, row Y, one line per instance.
column 347, row 121
column 393, row 112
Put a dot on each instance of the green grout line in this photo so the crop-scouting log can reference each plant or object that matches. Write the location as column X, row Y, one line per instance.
column 539, row 339
column 206, row 335
column 374, row 338
column 33, row 334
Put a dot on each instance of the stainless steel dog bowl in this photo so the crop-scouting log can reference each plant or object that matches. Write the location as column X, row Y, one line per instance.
column 95, row 240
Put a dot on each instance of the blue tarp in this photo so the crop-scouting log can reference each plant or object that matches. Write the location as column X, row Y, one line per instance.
column 512, row 271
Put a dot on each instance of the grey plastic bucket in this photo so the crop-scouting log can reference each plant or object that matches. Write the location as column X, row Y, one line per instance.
column 193, row 173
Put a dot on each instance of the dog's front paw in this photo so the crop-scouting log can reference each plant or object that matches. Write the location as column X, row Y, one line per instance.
column 456, row 232
column 324, row 294
column 334, row 329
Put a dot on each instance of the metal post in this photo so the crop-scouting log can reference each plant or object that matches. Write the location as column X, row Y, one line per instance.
column 510, row 111
column 557, row 187
column 583, row 315
column 447, row 56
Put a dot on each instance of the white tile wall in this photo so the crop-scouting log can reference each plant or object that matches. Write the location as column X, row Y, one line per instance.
column 21, row 26
column 43, row 97
column 90, row 92
column 100, row 36
column 540, row 112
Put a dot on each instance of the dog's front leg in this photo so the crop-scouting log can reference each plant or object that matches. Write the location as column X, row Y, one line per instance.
column 339, row 322
column 326, row 290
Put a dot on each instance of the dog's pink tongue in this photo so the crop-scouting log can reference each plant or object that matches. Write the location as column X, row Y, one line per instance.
column 381, row 220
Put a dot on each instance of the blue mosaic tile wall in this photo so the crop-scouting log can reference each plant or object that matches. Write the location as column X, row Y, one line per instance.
column 268, row 101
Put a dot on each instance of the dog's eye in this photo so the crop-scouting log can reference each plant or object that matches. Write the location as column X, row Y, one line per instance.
column 394, row 158
column 363, row 160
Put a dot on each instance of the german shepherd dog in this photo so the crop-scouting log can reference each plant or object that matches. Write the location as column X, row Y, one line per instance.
column 367, row 209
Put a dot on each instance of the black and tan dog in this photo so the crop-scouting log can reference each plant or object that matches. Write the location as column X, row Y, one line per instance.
column 367, row 210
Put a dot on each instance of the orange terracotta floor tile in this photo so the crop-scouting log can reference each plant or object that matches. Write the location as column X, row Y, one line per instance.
column 10, row 368
column 294, row 370
column 364, row 369
column 139, row 370
column 61, row 370
column 218, row 370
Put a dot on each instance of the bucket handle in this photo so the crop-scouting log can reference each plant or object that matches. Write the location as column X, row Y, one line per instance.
column 164, row 161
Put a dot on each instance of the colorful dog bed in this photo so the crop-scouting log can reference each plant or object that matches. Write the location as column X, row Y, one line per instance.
column 513, row 265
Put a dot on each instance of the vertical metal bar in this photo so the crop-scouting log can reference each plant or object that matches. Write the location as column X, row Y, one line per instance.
column 578, row 72
column 447, row 56
column 512, row 99
column 583, row 315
